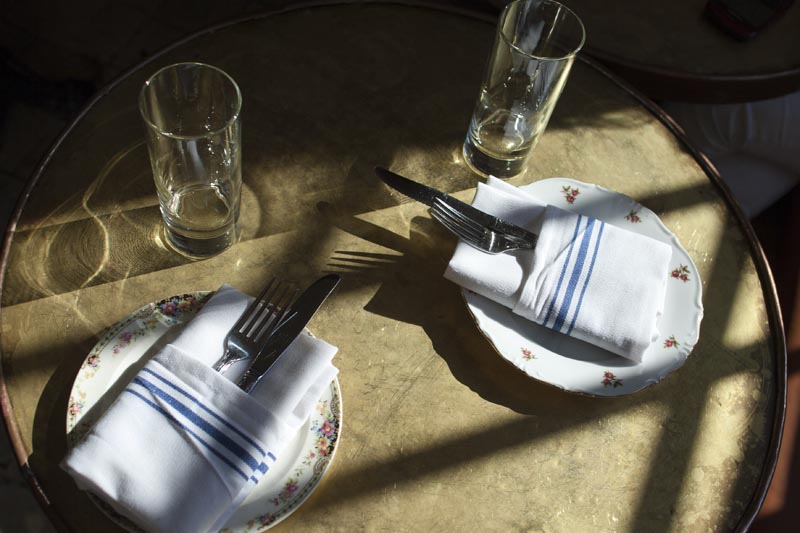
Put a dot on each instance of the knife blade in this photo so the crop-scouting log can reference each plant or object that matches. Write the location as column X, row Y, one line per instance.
column 427, row 195
column 300, row 313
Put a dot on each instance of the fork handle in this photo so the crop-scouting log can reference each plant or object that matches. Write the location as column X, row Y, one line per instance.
column 224, row 362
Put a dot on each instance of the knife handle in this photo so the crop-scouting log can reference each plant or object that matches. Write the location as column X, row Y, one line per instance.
column 252, row 376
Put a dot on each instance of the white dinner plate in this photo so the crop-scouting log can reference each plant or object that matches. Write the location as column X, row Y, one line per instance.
column 129, row 343
column 577, row 366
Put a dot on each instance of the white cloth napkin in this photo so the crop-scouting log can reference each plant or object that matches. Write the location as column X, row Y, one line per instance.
column 585, row 278
column 182, row 446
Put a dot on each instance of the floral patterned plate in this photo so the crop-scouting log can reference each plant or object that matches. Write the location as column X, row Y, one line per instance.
column 580, row 367
column 129, row 343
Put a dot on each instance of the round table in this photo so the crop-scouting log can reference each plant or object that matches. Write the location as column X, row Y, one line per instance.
column 438, row 432
column 671, row 51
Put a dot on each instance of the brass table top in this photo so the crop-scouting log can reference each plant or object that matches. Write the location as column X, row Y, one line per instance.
column 438, row 432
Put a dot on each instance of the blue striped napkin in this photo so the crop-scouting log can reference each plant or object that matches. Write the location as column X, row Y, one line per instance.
column 587, row 279
column 182, row 446
column 596, row 282
column 179, row 449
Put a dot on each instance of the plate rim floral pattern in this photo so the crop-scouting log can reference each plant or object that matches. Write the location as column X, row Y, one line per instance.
column 131, row 336
column 586, row 376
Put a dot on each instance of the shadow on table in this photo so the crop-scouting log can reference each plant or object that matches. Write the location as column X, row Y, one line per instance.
column 49, row 439
column 412, row 290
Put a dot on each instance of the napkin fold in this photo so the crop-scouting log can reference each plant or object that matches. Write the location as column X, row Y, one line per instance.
column 182, row 446
column 585, row 278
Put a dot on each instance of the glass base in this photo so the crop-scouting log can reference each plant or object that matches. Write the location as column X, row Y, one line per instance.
column 200, row 247
column 486, row 165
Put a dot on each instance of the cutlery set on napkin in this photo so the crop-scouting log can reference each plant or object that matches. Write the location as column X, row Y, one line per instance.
column 582, row 277
column 183, row 444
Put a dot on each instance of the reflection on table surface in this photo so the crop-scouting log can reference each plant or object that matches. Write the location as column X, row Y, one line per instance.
column 439, row 431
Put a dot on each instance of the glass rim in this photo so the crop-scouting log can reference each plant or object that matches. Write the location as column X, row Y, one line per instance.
column 146, row 116
column 568, row 55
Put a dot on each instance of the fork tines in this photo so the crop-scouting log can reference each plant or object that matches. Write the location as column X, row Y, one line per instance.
column 474, row 233
column 456, row 221
column 467, row 230
column 259, row 321
column 267, row 311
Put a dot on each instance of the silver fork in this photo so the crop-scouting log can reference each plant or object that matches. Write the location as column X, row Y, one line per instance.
column 474, row 233
column 257, row 323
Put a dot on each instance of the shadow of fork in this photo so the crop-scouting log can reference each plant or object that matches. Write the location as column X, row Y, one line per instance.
column 409, row 287
column 368, row 264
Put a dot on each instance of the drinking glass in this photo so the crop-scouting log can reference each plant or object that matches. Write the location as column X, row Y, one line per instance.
column 191, row 115
column 534, row 48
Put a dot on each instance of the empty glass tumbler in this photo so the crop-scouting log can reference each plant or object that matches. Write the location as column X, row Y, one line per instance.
column 191, row 115
column 535, row 45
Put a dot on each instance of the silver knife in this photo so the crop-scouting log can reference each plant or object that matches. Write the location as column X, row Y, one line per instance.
column 300, row 313
column 426, row 195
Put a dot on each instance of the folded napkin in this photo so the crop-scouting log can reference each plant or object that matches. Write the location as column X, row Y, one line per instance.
column 182, row 446
column 585, row 278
